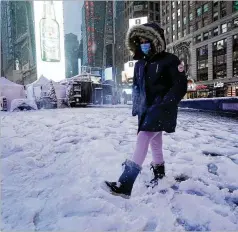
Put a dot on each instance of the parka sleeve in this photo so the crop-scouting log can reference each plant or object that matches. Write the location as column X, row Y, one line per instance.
column 179, row 89
column 135, row 94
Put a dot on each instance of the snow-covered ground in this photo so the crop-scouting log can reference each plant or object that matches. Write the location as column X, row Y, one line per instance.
column 53, row 162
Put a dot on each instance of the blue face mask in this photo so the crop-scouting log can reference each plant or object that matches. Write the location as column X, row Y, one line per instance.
column 145, row 48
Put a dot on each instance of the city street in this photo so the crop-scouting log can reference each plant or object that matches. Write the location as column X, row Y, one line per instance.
column 54, row 161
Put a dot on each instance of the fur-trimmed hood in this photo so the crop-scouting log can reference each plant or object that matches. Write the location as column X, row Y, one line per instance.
column 151, row 31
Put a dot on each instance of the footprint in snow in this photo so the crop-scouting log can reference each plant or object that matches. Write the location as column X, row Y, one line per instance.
column 150, row 226
column 189, row 227
column 212, row 168
column 213, row 154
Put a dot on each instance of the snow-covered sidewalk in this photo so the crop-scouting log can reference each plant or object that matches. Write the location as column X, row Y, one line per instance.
column 53, row 162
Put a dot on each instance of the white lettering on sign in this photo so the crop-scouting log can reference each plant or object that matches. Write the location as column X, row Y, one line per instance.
column 218, row 85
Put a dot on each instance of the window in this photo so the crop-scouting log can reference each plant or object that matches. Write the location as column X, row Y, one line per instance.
column 191, row 16
column 235, row 6
column 157, row 6
column 205, row 36
column 199, row 24
column 173, row 27
column 224, row 28
column 219, row 59
column 168, row 29
column 215, row 3
column 222, row 4
column 205, row 21
column 167, row 8
column 178, row 2
column 205, row 8
column 202, row 63
column 179, row 35
column 202, row 51
column 215, row 16
column 184, row 7
column 157, row 17
column 167, row 19
column 184, row 32
column 173, row 4
column 223, row 12
column 178, row 12
column 198, row 38
column 190, row 29
column 235, row 55
column 173, row 37
column 199, row 11
column 221, row 44
column 173, row 16
column 184, row 20
column 179, row 24
column 151, row 5
column 235, row 22
column 215, row 31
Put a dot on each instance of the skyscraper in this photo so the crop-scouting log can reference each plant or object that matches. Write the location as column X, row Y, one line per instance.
column 93, row 26
column 108, row 35
column 18, row 41
column 119, row 38
column 71, row 54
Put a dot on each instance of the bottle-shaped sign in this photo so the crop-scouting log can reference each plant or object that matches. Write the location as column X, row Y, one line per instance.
column 49, row 34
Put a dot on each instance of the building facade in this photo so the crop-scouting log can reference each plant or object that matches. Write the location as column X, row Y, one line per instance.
column 204, row 36
column 92, row 32
column 119, row 39
column 83, row 41
column 18, row 41
column 108, row 47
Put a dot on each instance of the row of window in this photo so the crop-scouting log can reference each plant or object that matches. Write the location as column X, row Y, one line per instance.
column 202, row 10
column 215, row 31
column 219, row 53
column 173, row 3
column 201, row 37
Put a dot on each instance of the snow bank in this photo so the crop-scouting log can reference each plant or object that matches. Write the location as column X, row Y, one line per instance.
column 225, row 104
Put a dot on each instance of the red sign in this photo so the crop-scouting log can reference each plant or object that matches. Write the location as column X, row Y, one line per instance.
column 198, row 87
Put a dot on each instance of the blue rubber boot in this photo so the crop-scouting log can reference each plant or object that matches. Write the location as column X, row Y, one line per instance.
column 123, row 187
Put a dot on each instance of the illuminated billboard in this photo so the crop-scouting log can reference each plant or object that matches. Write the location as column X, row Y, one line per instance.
column 108, row 74
column 137, row 21
column 128, row 73
column 49, row 36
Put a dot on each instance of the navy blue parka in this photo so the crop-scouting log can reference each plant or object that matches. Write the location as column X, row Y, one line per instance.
column 159, row 81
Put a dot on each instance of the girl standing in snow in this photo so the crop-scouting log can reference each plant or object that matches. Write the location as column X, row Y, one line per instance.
column 159, row 84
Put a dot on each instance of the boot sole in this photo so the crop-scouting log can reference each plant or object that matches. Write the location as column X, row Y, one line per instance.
column 107, row 189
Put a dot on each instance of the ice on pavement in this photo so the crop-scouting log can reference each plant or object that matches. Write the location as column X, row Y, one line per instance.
column 53, row 162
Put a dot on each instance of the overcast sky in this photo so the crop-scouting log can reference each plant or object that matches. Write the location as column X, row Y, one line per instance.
column 73, row 17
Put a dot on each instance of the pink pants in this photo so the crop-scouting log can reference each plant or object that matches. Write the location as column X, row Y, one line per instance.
column 144, row 138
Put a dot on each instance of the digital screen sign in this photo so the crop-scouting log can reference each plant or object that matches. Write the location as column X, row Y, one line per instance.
column 49, row 36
